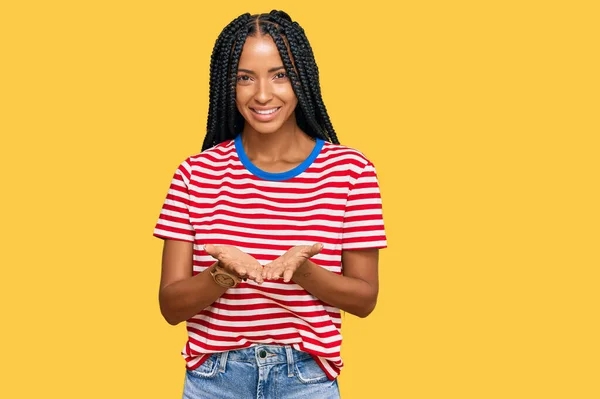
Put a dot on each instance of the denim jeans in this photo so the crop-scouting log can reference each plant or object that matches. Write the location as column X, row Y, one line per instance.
column 260, row 372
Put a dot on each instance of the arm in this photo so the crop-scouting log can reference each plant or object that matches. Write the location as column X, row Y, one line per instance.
column 182, row 296
column 355, row 291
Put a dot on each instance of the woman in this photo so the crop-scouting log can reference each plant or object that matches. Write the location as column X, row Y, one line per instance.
column 257, row 226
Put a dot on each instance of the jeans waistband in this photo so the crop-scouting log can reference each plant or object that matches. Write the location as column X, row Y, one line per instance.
column 266, row 354
column 263, row 355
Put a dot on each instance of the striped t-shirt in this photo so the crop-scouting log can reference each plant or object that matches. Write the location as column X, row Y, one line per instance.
column 219, row 197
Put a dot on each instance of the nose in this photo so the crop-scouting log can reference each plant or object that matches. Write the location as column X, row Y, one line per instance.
column 263, row 92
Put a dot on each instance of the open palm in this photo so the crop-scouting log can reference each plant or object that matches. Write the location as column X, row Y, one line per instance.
column 289, row 262
column 235, row 261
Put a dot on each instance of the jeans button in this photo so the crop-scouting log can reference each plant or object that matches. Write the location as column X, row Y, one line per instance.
column 262, row 354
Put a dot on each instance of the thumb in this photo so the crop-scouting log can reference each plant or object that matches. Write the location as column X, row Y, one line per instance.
column 211, row 250
column 316, row 248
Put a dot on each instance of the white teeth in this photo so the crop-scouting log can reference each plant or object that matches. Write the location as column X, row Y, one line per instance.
column 265, row 112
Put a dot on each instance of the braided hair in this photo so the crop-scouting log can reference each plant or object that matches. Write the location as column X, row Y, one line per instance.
column 224, row 120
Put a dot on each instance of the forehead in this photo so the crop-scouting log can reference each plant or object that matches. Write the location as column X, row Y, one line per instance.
column 259, row 52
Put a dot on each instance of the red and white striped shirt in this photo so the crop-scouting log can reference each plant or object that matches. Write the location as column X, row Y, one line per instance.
column 219, row 197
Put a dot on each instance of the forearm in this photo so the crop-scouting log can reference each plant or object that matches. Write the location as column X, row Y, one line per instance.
column 350, row 294
column 183, row 299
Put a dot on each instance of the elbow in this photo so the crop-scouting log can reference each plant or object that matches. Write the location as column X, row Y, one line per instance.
column 168, row 314
column 170, row 317
column 365, row 308
column 365, row 302
column 171, row 320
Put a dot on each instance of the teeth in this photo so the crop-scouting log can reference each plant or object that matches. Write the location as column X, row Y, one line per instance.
column 265, row 112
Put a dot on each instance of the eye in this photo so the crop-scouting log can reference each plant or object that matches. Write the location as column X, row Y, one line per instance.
column 281, row 75
column 243, row 78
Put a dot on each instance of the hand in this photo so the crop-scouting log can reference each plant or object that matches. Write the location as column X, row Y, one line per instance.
column 235, row 261
column 289, row 262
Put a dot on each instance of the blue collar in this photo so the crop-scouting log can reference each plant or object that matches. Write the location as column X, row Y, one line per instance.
column 276, row 176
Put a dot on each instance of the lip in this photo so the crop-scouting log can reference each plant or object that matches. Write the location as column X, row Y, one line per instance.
column 264, row 118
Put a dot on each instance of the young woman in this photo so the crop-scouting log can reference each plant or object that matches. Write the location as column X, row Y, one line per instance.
column 272, row 229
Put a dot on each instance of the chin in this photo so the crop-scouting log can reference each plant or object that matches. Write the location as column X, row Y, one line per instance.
column 266, row 129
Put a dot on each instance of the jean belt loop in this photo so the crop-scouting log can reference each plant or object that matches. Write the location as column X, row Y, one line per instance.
column 290, row 360
column 223, row 361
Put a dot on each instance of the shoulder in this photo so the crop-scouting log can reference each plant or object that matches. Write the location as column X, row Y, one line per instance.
column 344, row 154
column 217, row 153
column 207, row 159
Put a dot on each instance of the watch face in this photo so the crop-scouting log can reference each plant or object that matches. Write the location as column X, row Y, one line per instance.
column 224, row 280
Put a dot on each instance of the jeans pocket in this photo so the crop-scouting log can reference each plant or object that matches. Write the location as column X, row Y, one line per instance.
column 208, row 369
column 309, row 372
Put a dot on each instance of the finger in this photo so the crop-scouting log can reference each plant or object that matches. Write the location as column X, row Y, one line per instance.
column 315, row 249
column 258, row 275
column 287, row 274
column 253, row 274
column 263, row 273
column 209, row 248
column 213, row 250
column 240, row 270
column 275, row 274
column 267, row 271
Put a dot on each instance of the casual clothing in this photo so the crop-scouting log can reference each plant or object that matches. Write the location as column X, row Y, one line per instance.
column 261, row 372
column 219, row 197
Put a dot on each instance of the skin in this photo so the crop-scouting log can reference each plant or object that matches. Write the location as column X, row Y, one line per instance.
column 274, row 146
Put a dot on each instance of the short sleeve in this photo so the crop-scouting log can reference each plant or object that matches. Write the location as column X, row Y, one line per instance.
column 363, row 226
column 174, row 220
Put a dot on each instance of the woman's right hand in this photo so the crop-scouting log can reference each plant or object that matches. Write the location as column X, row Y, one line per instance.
column 235, row 261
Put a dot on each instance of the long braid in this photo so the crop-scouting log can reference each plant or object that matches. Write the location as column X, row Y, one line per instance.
column 310, row 65
column 232, row 67
column 315, row 87
column 217, row 95
column 224, row 120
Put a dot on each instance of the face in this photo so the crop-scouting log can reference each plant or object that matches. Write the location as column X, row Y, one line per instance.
column 264, row 94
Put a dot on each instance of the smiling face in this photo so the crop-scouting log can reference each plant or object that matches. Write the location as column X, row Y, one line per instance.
column 264, row 94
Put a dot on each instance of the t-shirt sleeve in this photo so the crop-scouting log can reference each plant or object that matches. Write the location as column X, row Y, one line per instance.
column 363, row 226
column 174, row 220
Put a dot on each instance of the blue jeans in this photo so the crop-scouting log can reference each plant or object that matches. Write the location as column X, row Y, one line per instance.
column 260, row 372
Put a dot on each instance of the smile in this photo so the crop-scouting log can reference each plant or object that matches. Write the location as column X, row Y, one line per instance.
column 265, row 111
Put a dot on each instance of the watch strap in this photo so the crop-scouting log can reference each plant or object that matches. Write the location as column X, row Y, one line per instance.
column 216, row 270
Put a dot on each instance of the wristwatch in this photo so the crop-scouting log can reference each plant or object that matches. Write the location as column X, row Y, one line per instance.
column 224, row 278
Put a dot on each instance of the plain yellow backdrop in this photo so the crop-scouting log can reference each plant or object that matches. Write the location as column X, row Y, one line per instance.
column 482, row 118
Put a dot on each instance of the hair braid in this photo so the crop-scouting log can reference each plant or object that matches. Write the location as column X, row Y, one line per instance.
column 313, row 81
column 217, row 95
column 305, row 67
column 232, row 68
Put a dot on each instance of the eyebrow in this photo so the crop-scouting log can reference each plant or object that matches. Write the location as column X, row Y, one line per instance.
column 270, row 70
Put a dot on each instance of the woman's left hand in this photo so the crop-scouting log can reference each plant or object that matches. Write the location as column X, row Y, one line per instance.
column 289, row 262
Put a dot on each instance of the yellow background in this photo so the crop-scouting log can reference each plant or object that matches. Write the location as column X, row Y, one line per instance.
column 480, row 116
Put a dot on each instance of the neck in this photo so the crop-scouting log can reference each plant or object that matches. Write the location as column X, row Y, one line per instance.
column 288, row 141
